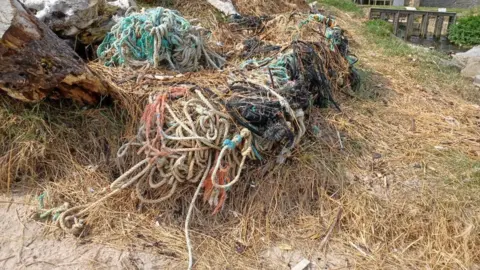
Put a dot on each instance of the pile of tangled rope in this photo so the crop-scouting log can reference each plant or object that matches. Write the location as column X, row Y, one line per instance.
column 304, row 74
column 193, row 135
column 158, row 36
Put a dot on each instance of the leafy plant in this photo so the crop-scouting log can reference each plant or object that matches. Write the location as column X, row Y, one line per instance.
column 466, row 31
column 379, row 28
column 382, row 32
column 345, row 5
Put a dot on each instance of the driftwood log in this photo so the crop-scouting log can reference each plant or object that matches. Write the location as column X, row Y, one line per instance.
column 35, row 63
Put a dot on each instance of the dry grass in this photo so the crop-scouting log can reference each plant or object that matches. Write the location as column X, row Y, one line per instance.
column 246, row 7
column 407, row 180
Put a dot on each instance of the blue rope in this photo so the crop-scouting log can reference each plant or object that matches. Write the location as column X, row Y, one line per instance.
column 134, row 37
column 231, row 144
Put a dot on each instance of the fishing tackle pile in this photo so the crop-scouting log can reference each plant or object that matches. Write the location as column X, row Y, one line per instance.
column 194, row 135
column 304, row 74
column 156, row 37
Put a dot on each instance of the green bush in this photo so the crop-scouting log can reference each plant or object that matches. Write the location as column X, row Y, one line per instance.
column 466, row 31
column 382, row 33
column 379, row 28
column 345, row 5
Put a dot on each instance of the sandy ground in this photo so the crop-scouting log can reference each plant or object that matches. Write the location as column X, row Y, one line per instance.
column 24, row 246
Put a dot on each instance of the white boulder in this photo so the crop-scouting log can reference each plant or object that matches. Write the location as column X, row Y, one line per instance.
column 224, row 6
column 469, row 62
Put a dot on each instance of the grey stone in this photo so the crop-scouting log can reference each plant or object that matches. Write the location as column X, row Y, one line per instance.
column 463, row 58
column 68, row 18
column 472, row 69
column 224, row 6
column 476, row 81
column 450, row 64
column 469, row 62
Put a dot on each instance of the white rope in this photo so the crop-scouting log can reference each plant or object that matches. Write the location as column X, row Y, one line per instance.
column 189, row 215
column 179, row 142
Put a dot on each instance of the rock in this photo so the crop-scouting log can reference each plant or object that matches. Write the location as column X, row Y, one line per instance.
column 302, row 265
column 87, row 20
column 224, row 6
column 469, row 62
column 451, row 64
column 472, row 69
column 462, row 58
column 476, row 81
column 123, row 4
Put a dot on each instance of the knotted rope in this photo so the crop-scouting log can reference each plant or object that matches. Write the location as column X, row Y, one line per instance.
column 158, row 36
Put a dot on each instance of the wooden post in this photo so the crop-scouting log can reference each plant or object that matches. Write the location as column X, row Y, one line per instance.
column 438, row 26
column 383, row 16
column 424, row 25
column 451, row 21
column 396, row 19
column 409, row 29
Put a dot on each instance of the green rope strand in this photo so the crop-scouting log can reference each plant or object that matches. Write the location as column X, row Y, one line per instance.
column 158, row 36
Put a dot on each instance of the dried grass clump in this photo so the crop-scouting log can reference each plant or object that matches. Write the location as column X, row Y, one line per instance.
column 262, row 7
column 391, row 182
column 40, row 141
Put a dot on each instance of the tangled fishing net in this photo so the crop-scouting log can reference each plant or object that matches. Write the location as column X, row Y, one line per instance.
column 194, row 135
column 303, row 74
column 155, row 37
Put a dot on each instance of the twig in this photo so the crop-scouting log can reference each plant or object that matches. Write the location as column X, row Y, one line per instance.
column 340, row 140
column 131, row 77
column 361, row 250
column 18, row 217
column 29, row 243
column 411, row 244
column 9, row 176
column 7, row 258
column 9, row 204
column 12, row 202
column 35, row 262
column 325, row 239
column 271, row 78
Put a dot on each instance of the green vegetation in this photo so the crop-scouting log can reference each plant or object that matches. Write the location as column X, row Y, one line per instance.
column 381, row 32
column 344, row 5
column 379, row 28
column 466, row 31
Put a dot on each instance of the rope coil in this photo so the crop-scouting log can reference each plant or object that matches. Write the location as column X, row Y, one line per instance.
column 158, row 36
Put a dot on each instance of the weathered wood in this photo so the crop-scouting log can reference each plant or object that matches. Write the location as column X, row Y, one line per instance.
column 416, row 12
column 35, row 63
column 424, row 25
column 396, row 22
column 438, row 27
column 451, row 21
column 383, row 16
column 409, row 30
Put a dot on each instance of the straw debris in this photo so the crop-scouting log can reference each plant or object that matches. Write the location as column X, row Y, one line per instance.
column 406, row 180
